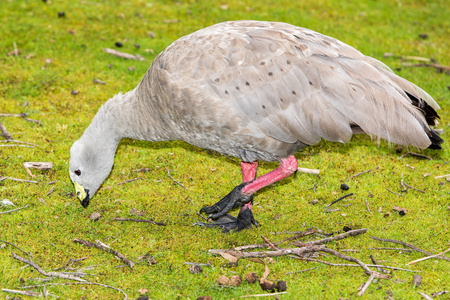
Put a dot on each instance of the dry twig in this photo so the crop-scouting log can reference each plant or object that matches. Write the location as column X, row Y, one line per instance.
column 5, row 133
column 11, row 244
column 139, row 220
column 428, row 257
column 13, row 210
column 168, row 172
column 17, row 179
column 127, row 181
column 70, row 262
column 361, row 173
column 352, row 265
column 47, row 274
column 415, row 154
column 333, row 238
column 339, row 199
column 25, row 293
column 398, row 249
column 409, row 246
column 123, row 54
column 76, row 283
column 102, row 246
column 309, row 171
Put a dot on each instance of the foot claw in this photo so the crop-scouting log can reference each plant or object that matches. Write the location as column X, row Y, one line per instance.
column 231, row 201
column 228, row 223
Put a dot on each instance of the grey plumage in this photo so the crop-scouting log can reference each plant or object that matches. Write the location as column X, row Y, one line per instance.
column 258, row 91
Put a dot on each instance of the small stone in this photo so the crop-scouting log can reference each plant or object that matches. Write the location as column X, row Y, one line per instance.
column 151, row 34
column 143, row 297
column 281, row 286
column 133, row 211
column 423, row 36
column 251, row 277
column 223, row 280
column 137, row 46
column 61, row 14
column 314, row 201
column 118, row 44
column 74, row 92
column 417, row 280
column 131, row 69
column 195, row 269
column 235, row 280
column 2, row 246
column 204, row 298
column 95, row 216
column 344, row 187
column 441, row 183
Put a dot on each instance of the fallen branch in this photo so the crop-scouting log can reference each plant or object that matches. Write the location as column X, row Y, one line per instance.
column 123, row 54
column 5, row 133
column 139, row 220
column 409, row 246
column 101, row 246
column 75, row 283
column 280, row 252
column 47, row 274
column 355, row 260
column 13, row 210
column 20, row 142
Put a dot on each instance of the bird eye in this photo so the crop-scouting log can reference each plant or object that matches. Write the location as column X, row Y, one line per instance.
column 77, row 172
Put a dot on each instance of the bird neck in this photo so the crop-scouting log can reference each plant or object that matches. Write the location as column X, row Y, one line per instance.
column 128, row 115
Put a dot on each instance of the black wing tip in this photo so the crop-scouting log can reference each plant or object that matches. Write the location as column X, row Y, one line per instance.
column 435, row 139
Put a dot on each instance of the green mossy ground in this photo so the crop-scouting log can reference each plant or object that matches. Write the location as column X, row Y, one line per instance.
column 74, row 45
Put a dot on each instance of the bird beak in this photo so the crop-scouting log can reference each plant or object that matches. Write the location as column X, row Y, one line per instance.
column 82, row 194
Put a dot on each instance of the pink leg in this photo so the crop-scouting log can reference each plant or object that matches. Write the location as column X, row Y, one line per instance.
column 287, row 167
column 248, row 174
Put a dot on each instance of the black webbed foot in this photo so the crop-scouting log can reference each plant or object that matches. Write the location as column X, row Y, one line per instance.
column 231, row 201
column 227, row 222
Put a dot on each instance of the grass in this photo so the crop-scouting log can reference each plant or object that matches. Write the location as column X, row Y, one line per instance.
column 74, row 45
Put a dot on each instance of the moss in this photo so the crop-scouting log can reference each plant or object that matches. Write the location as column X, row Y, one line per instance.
column 74, row 45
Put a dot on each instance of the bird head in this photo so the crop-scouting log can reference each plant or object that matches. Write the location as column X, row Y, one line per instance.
column 90, row 164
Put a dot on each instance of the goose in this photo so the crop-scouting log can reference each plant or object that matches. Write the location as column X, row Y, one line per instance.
column 258, row 91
